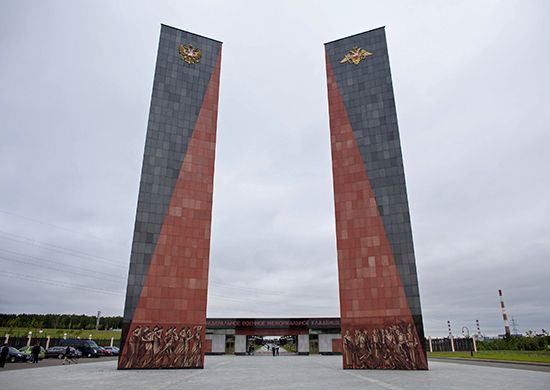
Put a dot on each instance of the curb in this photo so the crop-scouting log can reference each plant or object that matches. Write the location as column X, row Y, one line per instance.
column 492, row 361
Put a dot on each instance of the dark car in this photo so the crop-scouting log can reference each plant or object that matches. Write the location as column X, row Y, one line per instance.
column 103, row 351
column 59, row 352
column 16, row 356
column 88, row 347
column 114, row 350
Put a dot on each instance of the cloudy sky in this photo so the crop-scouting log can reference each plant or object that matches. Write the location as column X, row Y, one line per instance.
column 472, row 90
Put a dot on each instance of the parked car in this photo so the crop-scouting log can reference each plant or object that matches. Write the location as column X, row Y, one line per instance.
column 28, row 351
column 15, row 355
column 114, row 350
column 59, row 352
column 103, row 352
column 88, row 347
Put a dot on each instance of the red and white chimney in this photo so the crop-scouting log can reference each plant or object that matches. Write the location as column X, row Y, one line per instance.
column 504, row 315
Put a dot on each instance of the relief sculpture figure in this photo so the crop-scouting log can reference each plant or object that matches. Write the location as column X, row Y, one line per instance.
column 147, row 350
column 196, row 352
column 348, row 348
column 133, row 348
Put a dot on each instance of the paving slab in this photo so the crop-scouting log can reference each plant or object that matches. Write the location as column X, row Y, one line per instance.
column 267, row 372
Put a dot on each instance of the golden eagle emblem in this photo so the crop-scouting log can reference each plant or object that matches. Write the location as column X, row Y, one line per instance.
column 355, row 56
column 190, row 54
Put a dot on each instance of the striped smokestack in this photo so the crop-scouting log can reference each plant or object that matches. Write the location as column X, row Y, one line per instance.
column 478, row 329
column 504, row 315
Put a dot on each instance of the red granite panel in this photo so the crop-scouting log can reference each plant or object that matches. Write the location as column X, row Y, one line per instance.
column 377, row 326
column 337, row 345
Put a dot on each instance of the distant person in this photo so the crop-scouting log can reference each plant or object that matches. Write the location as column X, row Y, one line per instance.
column 66, row 359
column 273, row 350
column 35, row 351
column 277, row 350
column 4, row 351
column 69, row 356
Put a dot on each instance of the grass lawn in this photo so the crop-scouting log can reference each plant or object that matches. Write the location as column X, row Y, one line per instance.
column 71, row 333
column 518, row 356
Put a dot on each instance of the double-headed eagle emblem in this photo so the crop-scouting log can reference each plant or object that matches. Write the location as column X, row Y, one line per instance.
column 190, row 54
column 355, row 56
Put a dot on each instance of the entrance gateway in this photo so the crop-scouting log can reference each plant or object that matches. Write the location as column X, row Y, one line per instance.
column 307, row 335
column 164, row 324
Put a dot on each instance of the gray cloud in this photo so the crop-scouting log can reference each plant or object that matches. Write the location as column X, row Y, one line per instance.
column 472, row 94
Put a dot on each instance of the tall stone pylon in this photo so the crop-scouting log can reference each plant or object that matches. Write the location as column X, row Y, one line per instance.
column 165, row 313
column 379, row 298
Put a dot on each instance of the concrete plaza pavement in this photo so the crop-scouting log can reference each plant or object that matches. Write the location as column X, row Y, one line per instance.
column 267, row 372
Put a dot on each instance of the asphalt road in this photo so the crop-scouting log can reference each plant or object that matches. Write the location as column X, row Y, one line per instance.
column 51, row 362
column 541, row 367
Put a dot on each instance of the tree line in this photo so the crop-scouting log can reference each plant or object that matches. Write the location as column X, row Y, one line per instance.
column 59, row 321
column 515, row 343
